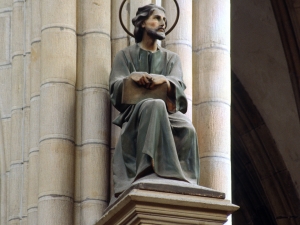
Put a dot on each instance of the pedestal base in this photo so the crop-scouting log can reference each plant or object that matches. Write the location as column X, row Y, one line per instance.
column 148, row 203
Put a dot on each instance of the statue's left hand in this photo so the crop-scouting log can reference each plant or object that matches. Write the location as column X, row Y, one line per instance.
column 158, row 80
column 141, row 78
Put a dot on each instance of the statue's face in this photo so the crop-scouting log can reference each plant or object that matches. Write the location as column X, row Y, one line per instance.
column 155, row 25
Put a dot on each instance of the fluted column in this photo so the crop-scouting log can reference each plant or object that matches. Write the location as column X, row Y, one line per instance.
column 119, row 38
column 78, row 123
column 211, row 91
column 78, row 143
column 5, row 74
column 35, row 74
column 5, row 105
column 57, row 112
column 180, row 41
column 26, row 110
column 94, row 63
column 16, row 154
column 3, row 201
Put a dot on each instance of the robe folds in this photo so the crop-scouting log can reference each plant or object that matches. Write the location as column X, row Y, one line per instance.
column 152, row 139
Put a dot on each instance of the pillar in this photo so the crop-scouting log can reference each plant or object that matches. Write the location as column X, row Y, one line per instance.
column 211, row 91
column 94, row 56
column 26, row 110
column 78, row 122
column 3, row 201
column 180, row 41
column 16, row 154
column 35, row 74
column 57, row 112
column 5, row 105
column 119, row 38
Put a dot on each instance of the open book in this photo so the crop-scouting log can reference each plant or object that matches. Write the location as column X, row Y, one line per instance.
column 133, row 93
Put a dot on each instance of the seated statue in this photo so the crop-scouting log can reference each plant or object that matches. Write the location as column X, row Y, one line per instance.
column 156, row 136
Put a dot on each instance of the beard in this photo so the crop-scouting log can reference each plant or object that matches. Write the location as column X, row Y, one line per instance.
column 155, row 33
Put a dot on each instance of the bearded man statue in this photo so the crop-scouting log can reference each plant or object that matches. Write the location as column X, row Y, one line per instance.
column 156, row 136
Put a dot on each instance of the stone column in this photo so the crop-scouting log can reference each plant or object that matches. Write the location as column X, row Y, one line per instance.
column 211, row 91
column 78, row 140
column 57, row 112
column 78, row 123
column 3, row 202
column 26, row 110
column 94, row 68
column 180, row 41
column 35, row 73
column 5, row 104
column 5, row 77
column 16, row 155
column 119, row 40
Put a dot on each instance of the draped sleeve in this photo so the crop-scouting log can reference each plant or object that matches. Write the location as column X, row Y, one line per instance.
column 119, row 71
column 175, row 76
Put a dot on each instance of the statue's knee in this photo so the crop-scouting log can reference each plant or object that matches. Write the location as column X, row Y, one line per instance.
column 159, row 103
column 155, row 104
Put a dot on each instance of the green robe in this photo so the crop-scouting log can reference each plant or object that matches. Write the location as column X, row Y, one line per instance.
column 149, row 131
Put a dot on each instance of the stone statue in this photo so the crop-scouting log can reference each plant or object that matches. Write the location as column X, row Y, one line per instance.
column 156, row 136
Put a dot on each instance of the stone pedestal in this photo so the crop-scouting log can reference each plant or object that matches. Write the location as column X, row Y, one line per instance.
column 159, row 201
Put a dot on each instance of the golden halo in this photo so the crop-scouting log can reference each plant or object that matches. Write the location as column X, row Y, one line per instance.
column 167, row 32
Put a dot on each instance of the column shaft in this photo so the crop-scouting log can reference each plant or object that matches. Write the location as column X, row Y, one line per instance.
column 93, row 73
column 35, row 74
column 5, row 120
column 5, row 105
column 2, row 178
column 26, row 111
column 5, row 74
column 57, row 112
column 17, row 129
column 78, row 132
column 119, row 38
column 180, row 41
column 211, row 91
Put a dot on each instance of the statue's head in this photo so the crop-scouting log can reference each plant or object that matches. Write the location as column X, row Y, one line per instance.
column 151, row 19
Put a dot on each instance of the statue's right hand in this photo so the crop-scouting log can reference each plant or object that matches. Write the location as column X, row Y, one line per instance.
column 141, row 78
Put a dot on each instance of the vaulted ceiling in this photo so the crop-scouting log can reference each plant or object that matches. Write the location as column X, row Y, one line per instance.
column 262, row 185
column 265, row 111
column 287, row 15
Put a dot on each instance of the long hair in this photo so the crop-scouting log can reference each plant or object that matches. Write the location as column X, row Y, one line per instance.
column 143, row 14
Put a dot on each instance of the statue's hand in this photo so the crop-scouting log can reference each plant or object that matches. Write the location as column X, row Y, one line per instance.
column 141, row 78
column 158, row 80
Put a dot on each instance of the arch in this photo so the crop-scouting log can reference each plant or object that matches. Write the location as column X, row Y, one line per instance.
column 262, row 185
